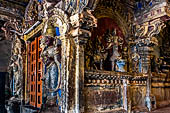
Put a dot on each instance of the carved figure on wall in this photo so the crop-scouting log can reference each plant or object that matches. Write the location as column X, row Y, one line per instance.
column 17, row 66
column 113, row 43
column 73, row 6
column 114, row 58
column 52, row 60
column 31, row 13
column 137, row 99
column 11, row 28
column 135, row 60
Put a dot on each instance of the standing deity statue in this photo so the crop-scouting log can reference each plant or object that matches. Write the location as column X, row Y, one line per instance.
column 112, row 42
column 52, row 60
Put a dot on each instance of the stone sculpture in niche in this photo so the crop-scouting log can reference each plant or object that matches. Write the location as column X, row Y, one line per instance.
column 56, row 25
column 106, row 51
column 52, row 60
column 113, row 42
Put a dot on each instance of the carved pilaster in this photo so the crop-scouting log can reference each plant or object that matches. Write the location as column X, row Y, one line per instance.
column 145, row 39
column 80, row 32
column 149, row 24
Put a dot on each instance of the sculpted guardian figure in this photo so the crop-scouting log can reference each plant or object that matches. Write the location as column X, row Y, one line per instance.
column 51, row 59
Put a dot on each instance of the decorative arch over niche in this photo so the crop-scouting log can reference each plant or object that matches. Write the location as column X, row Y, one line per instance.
column 120, row 15
column 112, row 22
column 105, row 23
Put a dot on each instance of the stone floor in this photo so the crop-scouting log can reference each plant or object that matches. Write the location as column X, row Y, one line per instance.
column 162, row 110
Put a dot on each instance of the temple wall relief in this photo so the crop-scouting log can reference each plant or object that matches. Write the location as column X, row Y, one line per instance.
column 88, row 56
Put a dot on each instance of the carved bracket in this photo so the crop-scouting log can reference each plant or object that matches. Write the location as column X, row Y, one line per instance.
column 81, row 26
column 149, row 29
column 150, row 21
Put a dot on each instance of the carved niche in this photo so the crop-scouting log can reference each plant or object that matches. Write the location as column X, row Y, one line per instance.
column 105, row 46
column 54, row 31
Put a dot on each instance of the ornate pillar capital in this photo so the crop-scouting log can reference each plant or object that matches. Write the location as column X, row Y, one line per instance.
column 82, row 23
column 149, row 29
column 150, row 20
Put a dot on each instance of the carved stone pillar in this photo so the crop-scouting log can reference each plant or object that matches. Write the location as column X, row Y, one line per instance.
column 80, row 31
column 125, row 99
column 149, row 24
column 146, row 42
column 65, row 73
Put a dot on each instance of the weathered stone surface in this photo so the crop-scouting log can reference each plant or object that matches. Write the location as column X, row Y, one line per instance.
column 5, row 52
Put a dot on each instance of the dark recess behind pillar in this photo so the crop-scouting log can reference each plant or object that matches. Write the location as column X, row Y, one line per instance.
column 2, row 92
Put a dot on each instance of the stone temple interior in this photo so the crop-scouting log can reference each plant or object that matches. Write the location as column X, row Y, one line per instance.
column 84, row 56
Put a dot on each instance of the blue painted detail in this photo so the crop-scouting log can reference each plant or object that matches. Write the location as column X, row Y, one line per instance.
column 59, row 92
column 57, row 101
column 39, row 1
column 57, row 31
column 60, row 108
column 121, row 65
column 60, row 66
column 139, row 5
column 140, row 66
column 150, row 4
